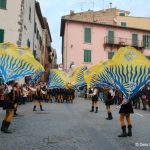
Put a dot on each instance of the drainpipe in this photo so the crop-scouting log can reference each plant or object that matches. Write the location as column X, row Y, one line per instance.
column 34, row 26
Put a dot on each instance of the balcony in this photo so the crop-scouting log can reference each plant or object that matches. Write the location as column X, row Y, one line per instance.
column 118, row 42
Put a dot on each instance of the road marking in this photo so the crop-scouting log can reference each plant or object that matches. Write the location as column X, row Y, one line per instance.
column 139, row 114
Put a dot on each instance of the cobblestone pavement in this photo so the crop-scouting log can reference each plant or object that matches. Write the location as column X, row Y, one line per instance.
column 73, row 127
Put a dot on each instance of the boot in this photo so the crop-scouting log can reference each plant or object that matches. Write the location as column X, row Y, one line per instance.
column 129, row 130
column 92, row 109
column 96, row 110
column 5, row 126
column 109, row 116
column 41, row 108
column 34, row 108
column 15, row 113
column 124, row 134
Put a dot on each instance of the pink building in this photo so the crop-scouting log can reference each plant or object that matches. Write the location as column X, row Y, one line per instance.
column 86, row 42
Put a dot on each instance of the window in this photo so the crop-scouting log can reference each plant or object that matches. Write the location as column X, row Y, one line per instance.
column 110, row 55
column 30, row 13
column 28, row 43
column 37, row 34
column 34, row 53
column 87, row 35
column 148, row 57
column 146, row 41
column 123, row 24
column 121, row 14
column 35, row 27
column 134, row 39
column 87, row 55
column 111, row 37
column 3, row 4
column 1, row 36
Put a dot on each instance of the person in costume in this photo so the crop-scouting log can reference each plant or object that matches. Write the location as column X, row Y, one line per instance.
column 125, row 111
column 36, row 94
column 110, row 94
column 16, row 97
column 95, row 100
column 9, row 106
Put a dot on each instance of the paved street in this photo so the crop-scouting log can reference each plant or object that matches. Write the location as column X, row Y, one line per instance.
column 73, row 127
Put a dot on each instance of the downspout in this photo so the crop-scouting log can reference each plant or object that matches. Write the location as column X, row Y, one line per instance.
column 34, row 27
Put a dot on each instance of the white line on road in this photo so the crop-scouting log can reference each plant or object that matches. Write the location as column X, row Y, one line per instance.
column 139, row 114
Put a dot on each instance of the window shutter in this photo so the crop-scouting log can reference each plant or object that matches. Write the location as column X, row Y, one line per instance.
column 111, row 37
column 87, row 55
column 35, row 27
column 110, row 55
column 134, row 39
column 1, row 36
column 123, row 24
column 2, row 4
column 87, row 35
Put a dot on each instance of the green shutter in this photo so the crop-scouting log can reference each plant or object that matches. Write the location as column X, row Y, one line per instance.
column 110, row 55
column 123, row 24
column 134, row 39
column 87, row 55
column 111, row 37
column 144, row 40
column 35, row 27
column 122, row 14
column 3, row 4
column 87, row 35
column 1, row 36
column 28, row 43
column 30, row 13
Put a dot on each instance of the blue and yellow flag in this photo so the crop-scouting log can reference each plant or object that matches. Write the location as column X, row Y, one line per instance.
column 130, row 70
column 57, row 79
column 77, row 78
column 13, row 64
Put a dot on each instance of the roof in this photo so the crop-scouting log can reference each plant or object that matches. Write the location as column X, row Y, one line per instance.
column 102, row 17
column 46, row 26
column 39, row 13
column 95, row 23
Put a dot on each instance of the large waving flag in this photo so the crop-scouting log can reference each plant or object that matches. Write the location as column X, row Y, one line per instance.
column 90, row 75
column 14, row 64
column 77, row 78
column 26, row 55
column 57, row 79
column 102, row 77
column 130, row 70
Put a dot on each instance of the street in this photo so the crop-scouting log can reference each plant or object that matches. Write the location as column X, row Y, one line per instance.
column 72, row 127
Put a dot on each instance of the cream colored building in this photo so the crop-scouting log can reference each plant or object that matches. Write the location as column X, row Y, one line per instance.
column 17, row 22
column 22, row 23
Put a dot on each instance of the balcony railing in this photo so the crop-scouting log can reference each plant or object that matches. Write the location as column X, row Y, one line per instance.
column 119, row 42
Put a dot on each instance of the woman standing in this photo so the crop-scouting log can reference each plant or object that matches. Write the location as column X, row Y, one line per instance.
column 125, row 111
column 95, row 100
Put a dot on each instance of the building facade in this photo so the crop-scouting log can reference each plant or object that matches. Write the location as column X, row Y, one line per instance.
column 90, row 37
column 23, row 24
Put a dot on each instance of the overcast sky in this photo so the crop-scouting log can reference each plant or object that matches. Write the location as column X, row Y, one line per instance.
column 54, row 9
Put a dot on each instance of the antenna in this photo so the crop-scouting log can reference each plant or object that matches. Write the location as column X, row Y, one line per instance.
column 81, row 4
column 103, row 4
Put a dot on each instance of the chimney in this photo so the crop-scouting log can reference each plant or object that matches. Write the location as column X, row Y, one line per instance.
column 71, row 12
column 110, row 4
